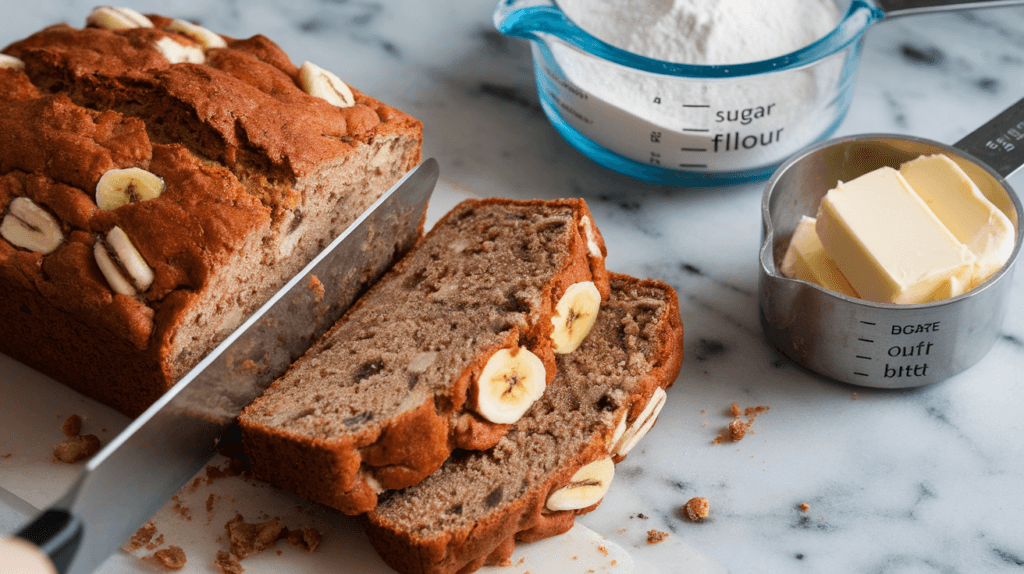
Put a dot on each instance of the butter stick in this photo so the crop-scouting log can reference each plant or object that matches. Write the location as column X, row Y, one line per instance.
column 964, row 210
column 807, row 260
column 889, row 244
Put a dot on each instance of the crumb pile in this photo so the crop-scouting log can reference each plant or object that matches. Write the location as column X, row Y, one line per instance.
column 246, row 539
column 75, row 447
column 738, row 427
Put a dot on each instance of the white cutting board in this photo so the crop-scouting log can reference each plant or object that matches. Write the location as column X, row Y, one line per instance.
column 33, row 406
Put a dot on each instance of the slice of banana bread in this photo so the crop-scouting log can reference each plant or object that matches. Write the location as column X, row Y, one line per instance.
column 447, row 350
column 557, row 461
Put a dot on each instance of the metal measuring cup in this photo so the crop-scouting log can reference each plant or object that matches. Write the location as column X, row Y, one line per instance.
column 879, row 344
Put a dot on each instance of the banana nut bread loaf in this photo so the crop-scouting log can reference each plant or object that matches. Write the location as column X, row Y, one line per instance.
column 158, row 182
column 557, row 461
column 445, row 352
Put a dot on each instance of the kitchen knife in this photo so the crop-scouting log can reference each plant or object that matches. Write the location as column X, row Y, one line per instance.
column 139, row 470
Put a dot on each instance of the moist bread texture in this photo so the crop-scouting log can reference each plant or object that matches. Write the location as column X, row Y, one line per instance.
column 383, row 398
column 473, row 510
column 259, row 176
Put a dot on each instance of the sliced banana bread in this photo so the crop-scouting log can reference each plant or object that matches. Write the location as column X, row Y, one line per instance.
column 557, row 461
column 447, row 350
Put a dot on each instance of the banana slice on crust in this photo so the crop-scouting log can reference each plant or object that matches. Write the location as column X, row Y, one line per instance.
column 205, row 37
column 586, row 488
column 178, row 53
column 117, row 18
column 588, row 231
column 642, row 424
column 31, row 227
column 318, row 82
column 118, row 187
column 574, row 316
column 508, row 384
column 11, row 62
column 122, row 265
column 620, row 429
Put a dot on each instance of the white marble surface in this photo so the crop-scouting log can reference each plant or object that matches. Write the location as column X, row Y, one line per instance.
column 911, row 481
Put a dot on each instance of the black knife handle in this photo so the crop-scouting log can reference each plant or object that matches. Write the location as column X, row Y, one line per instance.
column 57, row 533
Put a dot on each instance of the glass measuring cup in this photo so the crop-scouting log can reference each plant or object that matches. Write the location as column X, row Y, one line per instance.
column 696, row 125
column 691, row 125
column 885, row 345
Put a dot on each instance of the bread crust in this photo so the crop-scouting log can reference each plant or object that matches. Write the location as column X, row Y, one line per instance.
column 491, row 540
column 411, row 453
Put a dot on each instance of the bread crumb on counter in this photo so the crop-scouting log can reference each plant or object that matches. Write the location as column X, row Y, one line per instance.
column 76, row 447
column 172, row 557
column 804, row 507
column 141, row 537
column 156, row 542
column 228, row 563
column 738, row 428
column 656, row 536
column 307, row 539
column 697, row 509
column 246, row 539
column 182, row 510
column 72, row 426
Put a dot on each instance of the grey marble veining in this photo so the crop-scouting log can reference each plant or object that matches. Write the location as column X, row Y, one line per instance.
column 910, row 481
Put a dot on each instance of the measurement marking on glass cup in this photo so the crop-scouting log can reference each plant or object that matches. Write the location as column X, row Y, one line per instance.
column 696, row 105
column 693, row 149
column 863, row 357
column 861, row 374
column 696, row 130
column 704, row 165
column 866, row 340
column 868, row 323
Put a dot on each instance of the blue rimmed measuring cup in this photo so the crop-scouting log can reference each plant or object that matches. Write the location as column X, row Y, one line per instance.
column 696, row 125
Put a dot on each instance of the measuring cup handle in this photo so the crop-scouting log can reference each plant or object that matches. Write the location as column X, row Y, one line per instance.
column 1000, row 142
column 895, row 8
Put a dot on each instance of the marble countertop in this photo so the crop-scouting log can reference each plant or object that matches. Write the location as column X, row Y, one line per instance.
column 909, row 481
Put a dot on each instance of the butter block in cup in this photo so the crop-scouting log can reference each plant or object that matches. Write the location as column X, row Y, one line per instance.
column 964, row 210
column 807, row 260
column 889, row 244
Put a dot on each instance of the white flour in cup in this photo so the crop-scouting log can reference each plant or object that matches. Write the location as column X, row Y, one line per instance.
column 705, row 31
column 728, row 124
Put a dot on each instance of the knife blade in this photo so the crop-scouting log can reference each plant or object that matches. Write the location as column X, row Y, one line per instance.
column 125, row 483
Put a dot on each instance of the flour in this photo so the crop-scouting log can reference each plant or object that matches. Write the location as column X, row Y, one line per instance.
column 705, row 31
column 726, row 124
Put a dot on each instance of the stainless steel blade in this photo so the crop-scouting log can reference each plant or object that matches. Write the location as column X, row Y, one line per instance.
column 134, row 475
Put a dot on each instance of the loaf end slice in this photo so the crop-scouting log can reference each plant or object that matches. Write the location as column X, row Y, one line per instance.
column 473, row 510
